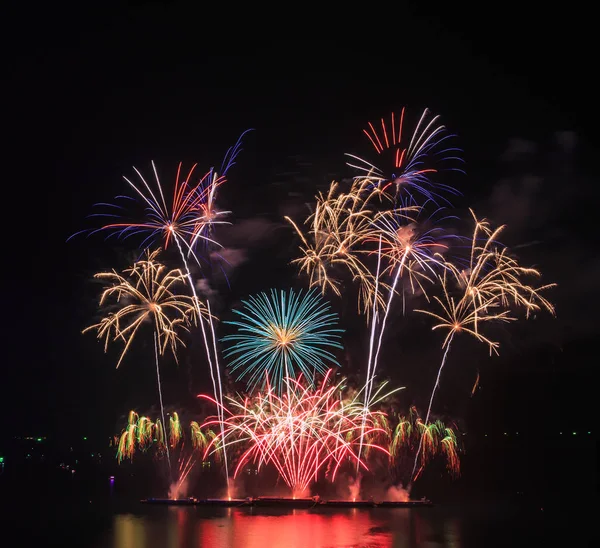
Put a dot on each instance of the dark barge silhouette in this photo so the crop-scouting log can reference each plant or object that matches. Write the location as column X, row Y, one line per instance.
column 280, row 502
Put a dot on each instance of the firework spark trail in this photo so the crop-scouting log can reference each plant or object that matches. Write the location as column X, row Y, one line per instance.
column 492, row 283
column 374, row 323
column 435, row 438
column 200, row 438
column 367, row 386
column 175, row 430
column 160, row 398
column 408, row 252
column 214, row 338
column 475, row 385
column 126, row 443
column 204, row 225
column 437, row 379
column 281, row 333
column 209, row 186
column 301, row 432
column 400, row 246
column 217, row 389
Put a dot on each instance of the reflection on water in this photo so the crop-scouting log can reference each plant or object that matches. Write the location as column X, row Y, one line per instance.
column 294, row 530
column 130, row 531
column 187, row 527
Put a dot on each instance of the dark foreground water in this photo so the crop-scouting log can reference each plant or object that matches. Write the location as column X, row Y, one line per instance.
column 130, row 524
column 544, row 498
column 249, row 528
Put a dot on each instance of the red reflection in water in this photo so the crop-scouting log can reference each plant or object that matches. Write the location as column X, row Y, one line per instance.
column 417, row 529
column 182, row 528
column 299, row 529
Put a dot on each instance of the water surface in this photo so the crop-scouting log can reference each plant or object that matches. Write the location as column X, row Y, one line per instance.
column 186, row 527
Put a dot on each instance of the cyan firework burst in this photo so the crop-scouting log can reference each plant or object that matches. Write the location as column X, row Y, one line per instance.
column 283, row 334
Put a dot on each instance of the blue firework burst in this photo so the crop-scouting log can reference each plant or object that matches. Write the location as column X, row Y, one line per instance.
column 283, row 334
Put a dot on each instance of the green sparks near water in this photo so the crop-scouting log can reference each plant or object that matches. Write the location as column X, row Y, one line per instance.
column 281, row 335
column 428, row 440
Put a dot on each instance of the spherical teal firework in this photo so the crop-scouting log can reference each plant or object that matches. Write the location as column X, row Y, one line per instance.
column 283, row 334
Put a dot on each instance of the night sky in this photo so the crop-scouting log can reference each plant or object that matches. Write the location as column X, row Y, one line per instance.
column 87, row 101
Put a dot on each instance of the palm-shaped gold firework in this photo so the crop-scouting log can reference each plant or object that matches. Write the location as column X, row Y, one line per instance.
column 492, row 281
column 146, row 293
column 483, row 292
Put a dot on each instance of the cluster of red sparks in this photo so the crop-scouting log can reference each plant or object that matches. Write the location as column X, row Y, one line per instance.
column 304, row 432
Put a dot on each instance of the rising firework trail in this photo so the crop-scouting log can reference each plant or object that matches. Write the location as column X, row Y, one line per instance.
column 374, row 319
column 412, row 252
column 211, row 353
column 146, row 293
column 282, row 334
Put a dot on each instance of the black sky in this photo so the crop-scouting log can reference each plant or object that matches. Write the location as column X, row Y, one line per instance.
column 89, row 95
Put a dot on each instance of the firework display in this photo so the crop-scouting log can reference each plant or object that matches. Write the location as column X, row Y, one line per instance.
column 382, row 240
column 302, row 432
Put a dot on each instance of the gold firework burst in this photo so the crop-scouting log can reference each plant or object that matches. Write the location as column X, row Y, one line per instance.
column 146, row 293
column 492, row 281
column 334, row 242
